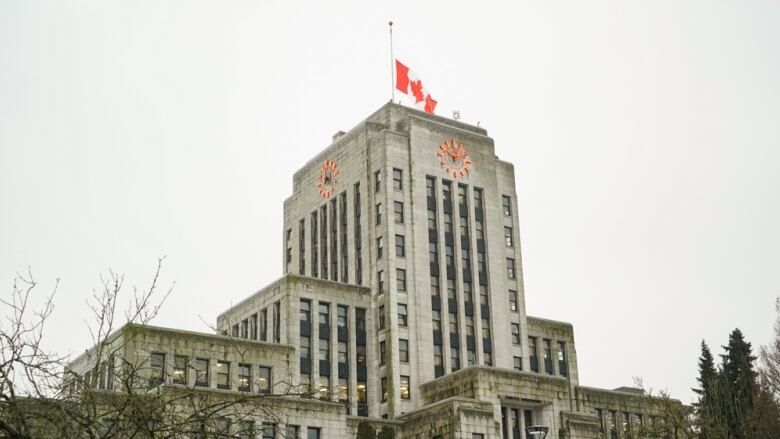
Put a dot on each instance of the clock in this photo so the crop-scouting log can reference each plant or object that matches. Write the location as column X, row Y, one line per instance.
column 327, row 180
column 454, row 158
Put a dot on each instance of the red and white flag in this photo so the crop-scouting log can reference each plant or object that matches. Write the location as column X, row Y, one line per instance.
column 408, row 83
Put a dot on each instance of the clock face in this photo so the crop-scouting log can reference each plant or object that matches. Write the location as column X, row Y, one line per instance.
column 327, row 180
column 454, row 158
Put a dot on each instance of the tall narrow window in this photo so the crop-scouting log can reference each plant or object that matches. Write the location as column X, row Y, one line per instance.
column 244, row 377
column 302, row 247
column 563, row 368
column 402, row 316
column 380, row 247
column 324, row 240
column 264, row 380
column 438, row 361
column 383, row 388
column 547, row 357
column 532, row 354
column 157, row 375
column 405, row 388
column 358, row 239
column 398, row 212
column 201, row 366
column 377, row 181
column 400, row 246
column 381, row 318
column 378, row 213
column 516, row 333
column 512, row 300
column 223, row 374
column 263, row 324
column 380, row 276
column 403, row 350
column 454, row 359
column 506, row 203
column 180, row 369
column 398, row 183
column 288, row 248
column 344, row 244
column 277, row 322
column 334, row 247
column 315, row 269
column 253, row 327
column 400, row 279
column 508, row 236
column 382, row 352
column 518, row 363
column 510, row 268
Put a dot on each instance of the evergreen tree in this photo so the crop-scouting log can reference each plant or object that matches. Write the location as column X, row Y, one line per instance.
column 365, row 431
column 739, row 382
column 706, row 407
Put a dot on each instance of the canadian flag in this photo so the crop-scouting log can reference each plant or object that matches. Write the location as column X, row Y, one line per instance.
column 408, row 83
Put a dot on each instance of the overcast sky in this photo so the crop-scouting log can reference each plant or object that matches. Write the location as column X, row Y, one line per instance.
column 645, row 137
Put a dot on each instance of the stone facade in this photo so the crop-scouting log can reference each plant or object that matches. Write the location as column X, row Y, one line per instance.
column 402, row 301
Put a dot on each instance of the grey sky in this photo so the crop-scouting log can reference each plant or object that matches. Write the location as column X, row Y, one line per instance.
column 645, row 139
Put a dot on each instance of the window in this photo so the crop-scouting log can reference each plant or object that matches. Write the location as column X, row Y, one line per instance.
column 378, row 213
column 381, row 281
column 223, row 374
column 398, row 212
column 305, row 311
column 383, row 385
column 510, row 268
column 234, row 332
column 472, row 357
column 470, row 326
column 453, row 320
column 435, row 290
column 380, row 247
column 312, row 433
column 324, row 313
column 547, row 357
column 454, row 359
column 277, row 322
column 381, row 317
column 343, row 390
column 324, row 387
column 377, row 181
column 512, row 300
column 222, row 426
column 518, row 363
column 398, row 183
column 253, row 326
column 180, row 369
column 400, row 246
column 382, row 352
column 201, row 366
column 304, row 386
column 436, row 319
column 515, row 333
column 405, row 388
column 343, row 353
column 157, row 375
column 302, row 247
column 508, row 236
column 488, row 358
column 402, row 316
column 341, row 316
column 403, row 350
column 532, row 355
column 483, row 295
column 246, row 430
column 324, row 350
column 269, row 430
column 264, row 380
column 400, row 279
column 485, row 328
column 438, row 359
column 263, row 325
column 506, row 202
column 244, row 377
column 562, row 365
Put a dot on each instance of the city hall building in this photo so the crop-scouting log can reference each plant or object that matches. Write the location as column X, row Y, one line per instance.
column 402, row 304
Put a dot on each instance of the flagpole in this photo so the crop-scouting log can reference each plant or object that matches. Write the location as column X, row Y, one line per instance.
column 392, row 67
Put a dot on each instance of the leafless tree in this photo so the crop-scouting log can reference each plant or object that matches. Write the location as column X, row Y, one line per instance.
column 41, row 397
column 673, row 419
